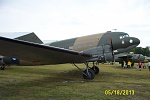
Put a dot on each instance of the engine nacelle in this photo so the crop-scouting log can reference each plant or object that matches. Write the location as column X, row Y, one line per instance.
column 9, row 61
column 101, row 53
column 4, row 60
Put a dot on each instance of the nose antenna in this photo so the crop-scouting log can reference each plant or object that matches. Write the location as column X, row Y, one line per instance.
column 114, row 30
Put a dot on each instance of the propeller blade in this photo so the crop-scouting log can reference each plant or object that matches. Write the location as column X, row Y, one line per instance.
column 139, row 57
column 111, row 45
column 112, row 49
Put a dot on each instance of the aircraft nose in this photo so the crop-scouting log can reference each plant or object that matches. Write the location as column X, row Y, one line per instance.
column 134, row 41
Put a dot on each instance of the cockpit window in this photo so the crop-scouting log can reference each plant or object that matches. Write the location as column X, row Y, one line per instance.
column 123, row 36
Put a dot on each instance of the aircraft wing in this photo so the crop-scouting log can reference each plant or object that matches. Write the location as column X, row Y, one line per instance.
column 39, row 54
column 123, row 56
column 31, row 37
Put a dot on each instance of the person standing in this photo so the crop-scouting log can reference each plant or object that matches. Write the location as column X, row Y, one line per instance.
column 149, row 65
column 129, row 64
column 140, row 65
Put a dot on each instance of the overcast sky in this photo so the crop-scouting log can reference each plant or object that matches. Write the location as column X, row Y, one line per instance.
column 63, row 19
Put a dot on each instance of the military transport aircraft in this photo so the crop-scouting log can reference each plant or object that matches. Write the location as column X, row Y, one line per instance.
column 123, row 58
column 91, row 48
column 147, row 59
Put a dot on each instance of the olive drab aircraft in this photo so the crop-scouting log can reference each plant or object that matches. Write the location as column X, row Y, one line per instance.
column 123, row 58
column 147, row 59
column 92, row 48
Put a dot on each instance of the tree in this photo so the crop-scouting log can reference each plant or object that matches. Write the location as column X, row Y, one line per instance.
column 140, row 50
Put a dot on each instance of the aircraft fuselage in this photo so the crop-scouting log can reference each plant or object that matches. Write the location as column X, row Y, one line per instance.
column 121, row 42
column 95, row 45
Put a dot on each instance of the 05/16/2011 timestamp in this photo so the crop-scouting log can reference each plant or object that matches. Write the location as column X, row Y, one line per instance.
column 119, row 92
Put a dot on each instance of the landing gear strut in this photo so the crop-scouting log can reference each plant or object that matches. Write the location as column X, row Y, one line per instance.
column 95, row 69
column 89, row 73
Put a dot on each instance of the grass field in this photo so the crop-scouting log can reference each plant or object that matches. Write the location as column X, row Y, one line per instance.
column 65, row 82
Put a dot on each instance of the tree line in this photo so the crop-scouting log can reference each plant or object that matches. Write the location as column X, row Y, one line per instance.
column 139, row 50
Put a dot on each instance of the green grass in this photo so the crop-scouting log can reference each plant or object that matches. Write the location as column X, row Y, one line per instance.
column 65, row 82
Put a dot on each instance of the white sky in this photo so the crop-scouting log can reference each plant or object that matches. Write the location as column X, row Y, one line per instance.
column 63, row 19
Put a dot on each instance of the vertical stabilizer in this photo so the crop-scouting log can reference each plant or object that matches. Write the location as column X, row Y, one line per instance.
column 31, row 37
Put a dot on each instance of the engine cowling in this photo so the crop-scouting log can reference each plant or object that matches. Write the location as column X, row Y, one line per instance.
column 101, row 53
column 9, row 61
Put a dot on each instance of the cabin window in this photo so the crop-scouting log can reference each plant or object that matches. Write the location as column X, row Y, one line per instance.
column 89, row 44
column 71, row 47
column 80, row 46
column 131, row 41
column 121, row 37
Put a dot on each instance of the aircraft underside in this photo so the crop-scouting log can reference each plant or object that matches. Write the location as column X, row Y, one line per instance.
column 89, row 73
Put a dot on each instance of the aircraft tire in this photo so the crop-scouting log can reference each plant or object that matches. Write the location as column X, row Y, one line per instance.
column 132, row 64
column 2, row 67
column 89, row 76
column 95, row 69
column 122, row 64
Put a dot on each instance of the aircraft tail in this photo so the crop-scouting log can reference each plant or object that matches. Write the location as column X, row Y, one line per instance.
column 31, row 37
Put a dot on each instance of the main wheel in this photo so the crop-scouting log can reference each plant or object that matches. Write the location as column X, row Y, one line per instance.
column 89, row 74
column 95, row 69
column 2, row 67
column 122, row 64
column 132, row 64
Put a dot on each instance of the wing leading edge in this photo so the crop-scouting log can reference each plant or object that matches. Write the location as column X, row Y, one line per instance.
column 38, row 53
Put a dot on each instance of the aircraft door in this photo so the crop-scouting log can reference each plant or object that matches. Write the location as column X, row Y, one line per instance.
column 104, row 52
column 102, row 49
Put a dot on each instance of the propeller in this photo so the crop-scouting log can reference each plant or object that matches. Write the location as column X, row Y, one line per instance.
column 112, row 48
column 104, row 58
column 139, row 57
